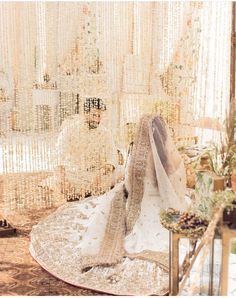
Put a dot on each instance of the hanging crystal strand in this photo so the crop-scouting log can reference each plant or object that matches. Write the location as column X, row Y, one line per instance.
column 203, row 73
column 208, row 100
column 212, row 57
column 119, row 50
column 193, row 59
column 29, row 156
column 51, row 20
column 217, row 69
column 112, row 54
column 223, row 45
column 32, row 161
column 222, row 64
column 9, row 55
column 196, row 95
column 221, row 71
column 209, row 16
column 200, row 97
column 169, row 32
column 225, row 57
column 165, row 34
column 3, row 33
column 137, row 29
column 41, row 42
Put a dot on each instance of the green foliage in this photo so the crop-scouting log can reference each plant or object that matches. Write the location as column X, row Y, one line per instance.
column 223, row 160
column 205, row 185
column 215, row 160
column 205, row 207
column 231, row 160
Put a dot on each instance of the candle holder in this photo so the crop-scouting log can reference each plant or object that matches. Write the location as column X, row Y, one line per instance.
column 6, row 229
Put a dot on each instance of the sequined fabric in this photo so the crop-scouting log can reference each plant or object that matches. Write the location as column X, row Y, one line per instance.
column 55, row 245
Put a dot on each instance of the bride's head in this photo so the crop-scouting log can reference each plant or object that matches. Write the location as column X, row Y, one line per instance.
column 166, row 149
column 160, row 138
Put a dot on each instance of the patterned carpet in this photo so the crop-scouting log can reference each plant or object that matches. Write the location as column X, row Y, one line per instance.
column 19, row 273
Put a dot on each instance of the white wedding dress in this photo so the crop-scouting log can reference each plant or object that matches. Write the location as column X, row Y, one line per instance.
column 77, row 229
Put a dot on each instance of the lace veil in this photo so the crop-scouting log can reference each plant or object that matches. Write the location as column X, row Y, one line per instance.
column 167, row 161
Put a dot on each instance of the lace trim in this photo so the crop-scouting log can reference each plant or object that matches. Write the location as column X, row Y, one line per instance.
column 136, row 171
column 111, row 251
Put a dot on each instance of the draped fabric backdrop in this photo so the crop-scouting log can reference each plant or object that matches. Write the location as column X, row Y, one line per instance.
column 134, row 55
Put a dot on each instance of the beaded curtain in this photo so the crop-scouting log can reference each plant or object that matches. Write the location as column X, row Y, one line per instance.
column 170, row 58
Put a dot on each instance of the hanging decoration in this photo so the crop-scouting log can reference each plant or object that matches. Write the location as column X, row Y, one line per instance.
column 136, row 57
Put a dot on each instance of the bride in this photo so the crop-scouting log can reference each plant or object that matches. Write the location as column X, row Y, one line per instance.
column 115, row 243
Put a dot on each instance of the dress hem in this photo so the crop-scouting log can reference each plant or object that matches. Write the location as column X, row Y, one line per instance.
column 43, row 265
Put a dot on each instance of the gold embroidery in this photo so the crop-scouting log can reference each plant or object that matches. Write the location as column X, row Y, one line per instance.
column 63, row 259
column 161, row 258
column 111, row 250
column 137, row 172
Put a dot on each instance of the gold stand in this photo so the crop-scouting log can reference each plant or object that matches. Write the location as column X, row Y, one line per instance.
column 174, row 263
column 227, row 235
column 176, row 281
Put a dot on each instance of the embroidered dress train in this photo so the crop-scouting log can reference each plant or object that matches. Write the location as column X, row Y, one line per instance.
column 114, row 243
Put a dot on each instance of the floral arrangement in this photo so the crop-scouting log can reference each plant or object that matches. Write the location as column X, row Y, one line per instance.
column 194, row 222
column 186, row 223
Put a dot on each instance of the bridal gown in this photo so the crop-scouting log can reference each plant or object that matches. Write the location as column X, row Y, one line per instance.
column 77, row 229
